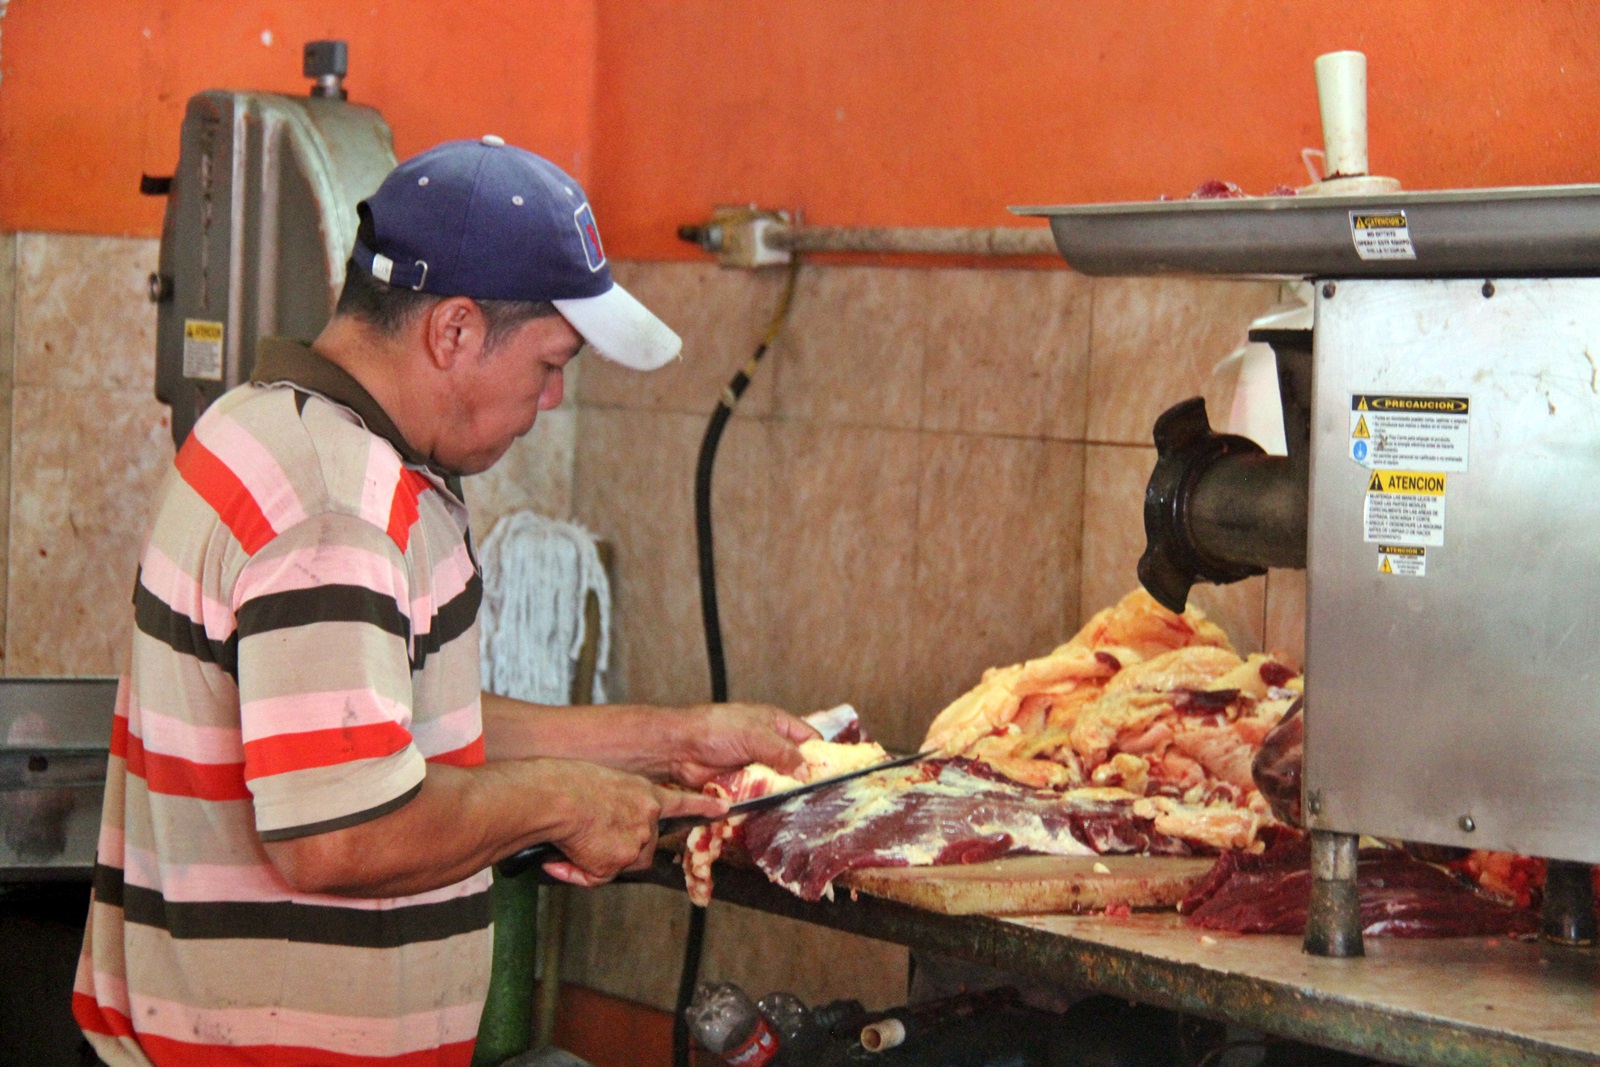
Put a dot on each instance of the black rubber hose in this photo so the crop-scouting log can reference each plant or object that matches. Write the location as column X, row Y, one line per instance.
column 694, row 942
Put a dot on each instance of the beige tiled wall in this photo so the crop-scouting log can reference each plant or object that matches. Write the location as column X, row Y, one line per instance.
column 8, row 348
column 934, row 471
column 89, row 444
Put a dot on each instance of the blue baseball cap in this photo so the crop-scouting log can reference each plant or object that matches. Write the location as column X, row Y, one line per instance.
column 486, row 220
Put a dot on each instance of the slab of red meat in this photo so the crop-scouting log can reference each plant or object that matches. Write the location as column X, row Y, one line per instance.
column 1400, row 897
column 935, row 813
column 1277, row 766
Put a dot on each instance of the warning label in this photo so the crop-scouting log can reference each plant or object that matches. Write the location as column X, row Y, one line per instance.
column 1381, row 235
column 202, row 350
column 1404, row 508
column 1408, row 561
column 1389, row 432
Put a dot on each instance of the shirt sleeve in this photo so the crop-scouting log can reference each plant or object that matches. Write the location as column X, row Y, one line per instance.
column 325, row 695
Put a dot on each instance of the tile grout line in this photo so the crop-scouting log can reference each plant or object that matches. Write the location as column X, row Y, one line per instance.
column 13, row 306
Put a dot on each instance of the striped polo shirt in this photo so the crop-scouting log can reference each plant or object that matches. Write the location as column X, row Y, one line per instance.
column 305, row 644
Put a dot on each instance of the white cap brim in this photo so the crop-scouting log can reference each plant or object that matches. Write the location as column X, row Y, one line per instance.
column 621, row 329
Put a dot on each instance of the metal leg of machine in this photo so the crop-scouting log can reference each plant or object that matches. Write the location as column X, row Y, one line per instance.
column 1333, row 924
column 1568, row 917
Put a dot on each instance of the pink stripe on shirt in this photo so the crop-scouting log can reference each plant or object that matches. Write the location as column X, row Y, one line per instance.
column 335, row 709
column 308, row 568
column 182, row 593
column 350, row 1035
column 379, row 482
column 256, row 468
column 260, row 883
column 450, row 731
column 169, row 736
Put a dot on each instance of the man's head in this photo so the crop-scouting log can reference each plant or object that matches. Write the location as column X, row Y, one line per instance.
column 506, row 228
column 481, row 264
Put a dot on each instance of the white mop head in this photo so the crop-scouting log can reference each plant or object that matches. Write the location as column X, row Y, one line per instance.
column 537, row 573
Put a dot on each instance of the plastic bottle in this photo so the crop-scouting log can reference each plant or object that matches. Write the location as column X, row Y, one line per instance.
column 726, row 1021
column 787, row 1013
column 839, row 1018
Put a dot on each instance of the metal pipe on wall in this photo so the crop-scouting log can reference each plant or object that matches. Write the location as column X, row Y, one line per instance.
column 914, row 240
column 752, row 237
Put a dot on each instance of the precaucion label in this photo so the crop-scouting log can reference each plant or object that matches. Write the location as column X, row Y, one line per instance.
column 1405, row 508
column 1381, row 235
column 1410, row 561
column 202, row 350
column 1389, row 432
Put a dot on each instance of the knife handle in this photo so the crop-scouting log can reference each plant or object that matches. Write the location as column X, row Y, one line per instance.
column 546, row 851
column 533, row 856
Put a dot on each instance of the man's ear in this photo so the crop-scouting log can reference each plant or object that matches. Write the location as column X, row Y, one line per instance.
column 454, row 329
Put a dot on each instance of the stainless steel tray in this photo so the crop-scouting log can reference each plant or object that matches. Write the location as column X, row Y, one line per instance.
column 55, row 736
column 1535, row 230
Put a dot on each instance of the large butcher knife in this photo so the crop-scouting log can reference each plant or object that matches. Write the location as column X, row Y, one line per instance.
column 547, row 851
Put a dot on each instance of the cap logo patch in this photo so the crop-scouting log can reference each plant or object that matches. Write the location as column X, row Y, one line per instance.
column 590, row 236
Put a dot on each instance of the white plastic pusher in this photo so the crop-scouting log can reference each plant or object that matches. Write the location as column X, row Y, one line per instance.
column 1342, row 95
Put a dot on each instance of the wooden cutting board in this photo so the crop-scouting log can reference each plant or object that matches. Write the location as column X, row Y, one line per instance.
column 1035, row 885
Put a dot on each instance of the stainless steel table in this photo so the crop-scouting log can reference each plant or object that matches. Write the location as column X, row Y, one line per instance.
column 1449, row 1002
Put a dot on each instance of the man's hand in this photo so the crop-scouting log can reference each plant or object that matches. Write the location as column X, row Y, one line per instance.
column 613, row 819
column 725, row 737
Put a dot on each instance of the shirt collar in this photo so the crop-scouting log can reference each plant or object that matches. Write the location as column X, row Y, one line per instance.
column 281, row 361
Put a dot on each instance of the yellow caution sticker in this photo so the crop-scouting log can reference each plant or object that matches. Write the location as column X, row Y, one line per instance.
column 1404, row 508
column 1448, row 405
column 202, row 350
column 1416, row 482
column 1381, row 235
column 1393, row 431
column 1407, row 561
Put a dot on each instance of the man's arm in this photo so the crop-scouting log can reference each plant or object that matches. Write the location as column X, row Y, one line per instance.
column 464, row 819
column 686, row 745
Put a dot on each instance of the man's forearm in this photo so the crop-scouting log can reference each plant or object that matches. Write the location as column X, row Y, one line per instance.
column 630, row 737
column 460, row 822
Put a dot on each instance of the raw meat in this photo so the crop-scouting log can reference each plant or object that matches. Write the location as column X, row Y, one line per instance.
column 1136, row 736
column 839, row 750
column 1276, row 768
column 1141, row 699
column 1400, row 896
column 935, row 813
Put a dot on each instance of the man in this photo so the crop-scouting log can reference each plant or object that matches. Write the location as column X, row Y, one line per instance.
column 306, row 788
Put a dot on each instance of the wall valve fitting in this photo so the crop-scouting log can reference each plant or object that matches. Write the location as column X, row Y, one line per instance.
column 737, row 236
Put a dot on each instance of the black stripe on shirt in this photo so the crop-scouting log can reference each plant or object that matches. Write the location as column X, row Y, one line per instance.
column 155, row 618
column 343, row 821
column 318, row 924
column 449, row 622
column 323, row 603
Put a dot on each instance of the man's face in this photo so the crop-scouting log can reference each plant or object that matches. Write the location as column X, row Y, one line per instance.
column 500, row 393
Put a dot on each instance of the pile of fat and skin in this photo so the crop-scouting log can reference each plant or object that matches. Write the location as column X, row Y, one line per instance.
column 1143, row 705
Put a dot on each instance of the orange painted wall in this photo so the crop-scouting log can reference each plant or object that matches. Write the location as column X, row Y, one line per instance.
column 92, row 92
column 942, row 112
column 914, row 112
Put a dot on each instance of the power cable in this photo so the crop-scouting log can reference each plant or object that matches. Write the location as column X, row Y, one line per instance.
column 694, row 942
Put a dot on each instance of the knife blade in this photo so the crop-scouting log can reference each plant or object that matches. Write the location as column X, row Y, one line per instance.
column 547, row 851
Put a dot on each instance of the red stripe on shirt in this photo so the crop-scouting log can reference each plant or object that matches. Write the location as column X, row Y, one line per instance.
column 282, row 753
column 98, row 1020
column 466, row 756
column 403, row 510
column 176, row 776
column 119, row 734
column 219, row 487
